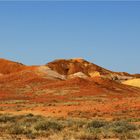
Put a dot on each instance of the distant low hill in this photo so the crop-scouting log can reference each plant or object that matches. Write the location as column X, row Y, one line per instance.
column 65, row 69
column 7, row 67
column 72, row 66
column 68, row 88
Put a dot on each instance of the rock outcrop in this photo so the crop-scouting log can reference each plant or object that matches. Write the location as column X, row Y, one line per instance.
column 72, row 66
column 48, row 73
column 78, row 74
column 132, row 82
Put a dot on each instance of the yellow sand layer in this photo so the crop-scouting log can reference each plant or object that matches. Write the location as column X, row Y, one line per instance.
column 133, row 82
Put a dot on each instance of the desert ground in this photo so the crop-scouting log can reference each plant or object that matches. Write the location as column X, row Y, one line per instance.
column 68, row 100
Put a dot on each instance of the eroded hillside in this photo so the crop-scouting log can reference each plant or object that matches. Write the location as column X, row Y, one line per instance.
column 67, row 88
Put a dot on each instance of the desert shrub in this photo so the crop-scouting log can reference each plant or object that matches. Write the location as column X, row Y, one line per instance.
column 30, row 115
column 133, row 120
column 96, row 124
column 29, row 133
column 16, row 129
column 31, row 119
column 36, row 126
column 73, row 124
column 31, row 136
column 123, row 127
column 21, row 129
column 48, row 125
column 87, row 137
column 7, row 118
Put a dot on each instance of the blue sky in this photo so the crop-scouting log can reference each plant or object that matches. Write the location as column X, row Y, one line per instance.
column 105, row 33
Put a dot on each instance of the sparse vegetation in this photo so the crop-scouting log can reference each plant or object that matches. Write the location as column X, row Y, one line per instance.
column 48, row 125
column 123, row 126
column 96, row 124
column 35, row 126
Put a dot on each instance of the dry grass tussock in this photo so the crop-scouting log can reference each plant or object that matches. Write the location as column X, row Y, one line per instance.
column 31, row 126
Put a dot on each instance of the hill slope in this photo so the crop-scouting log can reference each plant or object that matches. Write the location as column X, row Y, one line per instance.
column 62, row 88
column 72, row 66
column 132, row 82
column 7, row 67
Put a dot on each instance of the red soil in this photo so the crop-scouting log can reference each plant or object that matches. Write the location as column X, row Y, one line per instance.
column 26, row 91
column 7, row 67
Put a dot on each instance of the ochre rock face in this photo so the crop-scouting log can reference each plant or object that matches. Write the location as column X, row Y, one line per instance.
column 7, row 67
column 71, row 66
column 61, row 66
column 50, row 88
column 78, row 74
column 137, row 75
column 132, row 82
column 94, row 74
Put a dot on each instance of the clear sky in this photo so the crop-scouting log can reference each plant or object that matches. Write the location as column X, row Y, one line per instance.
column 105, row 33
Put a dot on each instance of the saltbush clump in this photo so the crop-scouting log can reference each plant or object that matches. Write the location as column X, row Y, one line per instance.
column 48, row 125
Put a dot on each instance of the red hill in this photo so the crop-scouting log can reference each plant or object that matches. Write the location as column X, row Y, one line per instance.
column 7, row 67
column 65, row 88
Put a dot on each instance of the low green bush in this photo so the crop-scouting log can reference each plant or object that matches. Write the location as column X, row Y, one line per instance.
column 7, row 118
column 123, row 126
column 48, row 125
column 16, row 130
column 96, row 124
column 36, row 127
